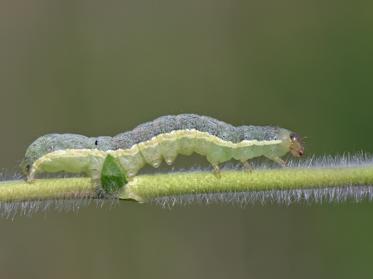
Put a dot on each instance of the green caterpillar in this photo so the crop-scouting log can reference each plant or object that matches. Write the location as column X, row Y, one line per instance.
column 112, row 160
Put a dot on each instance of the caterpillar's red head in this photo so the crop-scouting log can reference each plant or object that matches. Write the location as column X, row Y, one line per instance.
column 296, row 145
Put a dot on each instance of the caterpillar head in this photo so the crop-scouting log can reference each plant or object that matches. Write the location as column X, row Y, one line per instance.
column 53, row 142
column 296, row 145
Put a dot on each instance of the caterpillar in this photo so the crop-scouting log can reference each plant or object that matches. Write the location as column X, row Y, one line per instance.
column 112, row 160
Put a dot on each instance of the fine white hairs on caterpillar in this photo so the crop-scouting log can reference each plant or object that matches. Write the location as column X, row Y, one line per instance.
column 161, row 139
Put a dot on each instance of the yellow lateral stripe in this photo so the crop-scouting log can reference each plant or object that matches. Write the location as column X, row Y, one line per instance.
column 153, row 142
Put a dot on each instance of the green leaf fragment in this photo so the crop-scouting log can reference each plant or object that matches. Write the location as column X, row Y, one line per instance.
column 112, row 175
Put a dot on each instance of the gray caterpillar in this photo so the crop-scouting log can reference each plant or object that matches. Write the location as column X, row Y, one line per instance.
column 161, row 139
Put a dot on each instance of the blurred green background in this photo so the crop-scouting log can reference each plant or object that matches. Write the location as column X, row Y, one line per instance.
column 102, row 67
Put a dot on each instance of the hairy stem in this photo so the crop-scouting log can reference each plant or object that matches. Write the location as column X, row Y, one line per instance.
column 44, row 189
column 147, row 187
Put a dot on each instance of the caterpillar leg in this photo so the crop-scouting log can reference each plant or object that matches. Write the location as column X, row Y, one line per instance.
column 32, row 174
column 246, row 166
column 30, row 177
column 215, row 166
column 216, row 170
column 169, row 159
column 279, row 161
column 156, row 163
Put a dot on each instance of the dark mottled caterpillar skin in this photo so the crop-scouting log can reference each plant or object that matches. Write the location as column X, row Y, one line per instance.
column 169, row 123
column 289, row 141
column 52, row 142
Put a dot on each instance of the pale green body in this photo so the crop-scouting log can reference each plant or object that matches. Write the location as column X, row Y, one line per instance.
column 162, row 147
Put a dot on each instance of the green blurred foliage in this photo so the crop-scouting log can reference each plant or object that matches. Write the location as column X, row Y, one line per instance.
column 102, row 67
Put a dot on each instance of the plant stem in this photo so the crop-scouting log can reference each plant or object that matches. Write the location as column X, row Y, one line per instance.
column 44, row 189
column 146, row 187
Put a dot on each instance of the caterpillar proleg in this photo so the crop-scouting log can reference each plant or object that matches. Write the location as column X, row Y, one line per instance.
column 152, row 142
